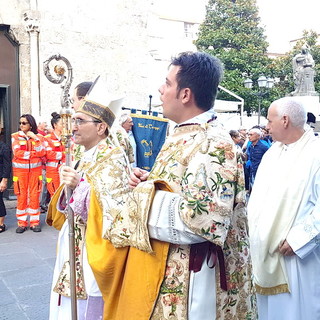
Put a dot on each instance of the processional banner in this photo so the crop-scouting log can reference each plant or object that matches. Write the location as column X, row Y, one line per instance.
column 149, row 133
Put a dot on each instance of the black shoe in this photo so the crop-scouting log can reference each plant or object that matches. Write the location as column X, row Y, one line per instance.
column 21, row 229
column 36, row 228
column 3, row 228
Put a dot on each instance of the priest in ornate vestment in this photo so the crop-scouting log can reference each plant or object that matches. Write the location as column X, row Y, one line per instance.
column 91, row 125
column 202, row 213
column 284, row 218
column 99, row 189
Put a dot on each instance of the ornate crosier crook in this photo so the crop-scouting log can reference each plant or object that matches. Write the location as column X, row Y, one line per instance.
column 66, row 110
column 66, row 113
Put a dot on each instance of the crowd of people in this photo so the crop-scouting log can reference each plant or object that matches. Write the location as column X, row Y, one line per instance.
column 224, row 226
column 251, row 145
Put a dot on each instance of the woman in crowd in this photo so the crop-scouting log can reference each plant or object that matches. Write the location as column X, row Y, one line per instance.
column 28, row 149
column 5, row 170
column 55, row 153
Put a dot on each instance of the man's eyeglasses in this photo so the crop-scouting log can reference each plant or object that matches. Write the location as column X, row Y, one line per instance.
column 23, row 123
column 79, row 122
column 79, row 98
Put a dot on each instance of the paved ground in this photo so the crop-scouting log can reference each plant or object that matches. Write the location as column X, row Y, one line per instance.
column 26, row 266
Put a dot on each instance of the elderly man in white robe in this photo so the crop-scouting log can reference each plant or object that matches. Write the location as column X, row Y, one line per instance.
column 284, row 218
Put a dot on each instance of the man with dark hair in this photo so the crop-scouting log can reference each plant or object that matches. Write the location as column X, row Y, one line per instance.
column 79, row 93
column 203, row 217
column 201, row 75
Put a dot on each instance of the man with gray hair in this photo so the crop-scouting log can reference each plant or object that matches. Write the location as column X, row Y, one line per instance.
column 284, row 218
column 126, row 138
column 255, row 152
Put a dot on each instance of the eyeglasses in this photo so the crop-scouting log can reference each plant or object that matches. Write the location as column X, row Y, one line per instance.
column 79, row 98
column 79, row 122
column 23, row 123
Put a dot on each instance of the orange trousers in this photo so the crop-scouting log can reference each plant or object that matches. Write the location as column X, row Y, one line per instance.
column 27, row 187
column 53, row 179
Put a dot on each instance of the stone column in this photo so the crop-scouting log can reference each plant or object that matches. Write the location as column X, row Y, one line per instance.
column 31, row 19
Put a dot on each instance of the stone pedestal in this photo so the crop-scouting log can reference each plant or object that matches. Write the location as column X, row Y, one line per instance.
column 312, row 105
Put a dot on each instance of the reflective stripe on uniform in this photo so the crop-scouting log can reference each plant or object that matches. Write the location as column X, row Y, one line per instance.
column 26, row 165
column 21, row 213
column 34, row 214
column 32, row 211
column 52, row 164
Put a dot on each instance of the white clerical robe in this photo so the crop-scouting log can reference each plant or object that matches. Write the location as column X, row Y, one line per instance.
column 60, row 306
column 302, row 269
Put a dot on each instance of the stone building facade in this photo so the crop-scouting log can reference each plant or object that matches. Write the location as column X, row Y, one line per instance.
column 98, row 37
column 129, row 43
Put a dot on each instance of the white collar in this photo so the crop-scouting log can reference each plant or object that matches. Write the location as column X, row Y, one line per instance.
column 88, row 155
column 200, row 118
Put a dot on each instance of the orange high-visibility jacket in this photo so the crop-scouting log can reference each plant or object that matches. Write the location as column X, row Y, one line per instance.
column 55, row 151
column 27, row 153
column 55, row 155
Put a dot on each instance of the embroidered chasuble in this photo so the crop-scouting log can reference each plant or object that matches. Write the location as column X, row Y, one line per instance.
column 126, row 270
column 199, row 164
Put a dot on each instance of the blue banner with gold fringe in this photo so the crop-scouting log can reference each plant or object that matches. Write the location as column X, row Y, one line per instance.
column 149, row 133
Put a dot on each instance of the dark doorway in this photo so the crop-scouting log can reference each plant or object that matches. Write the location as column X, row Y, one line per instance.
column 5, row 125
column 9, row 88
column 9, row 82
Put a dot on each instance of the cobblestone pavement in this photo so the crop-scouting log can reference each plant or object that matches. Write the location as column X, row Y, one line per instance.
column 26, row 267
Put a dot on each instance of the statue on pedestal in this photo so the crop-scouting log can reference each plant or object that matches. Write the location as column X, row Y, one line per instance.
column 303, row 73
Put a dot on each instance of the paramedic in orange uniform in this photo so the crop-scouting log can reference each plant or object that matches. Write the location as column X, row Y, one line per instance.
column 55, row 153
column 28, row 148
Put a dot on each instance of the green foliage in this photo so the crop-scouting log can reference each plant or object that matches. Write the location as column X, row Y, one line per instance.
column 231, row 32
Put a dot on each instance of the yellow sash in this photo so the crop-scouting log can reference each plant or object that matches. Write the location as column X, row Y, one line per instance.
column 129, row 279
column 54, row 217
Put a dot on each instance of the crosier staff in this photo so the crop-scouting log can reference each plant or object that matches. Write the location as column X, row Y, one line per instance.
column 66, row 113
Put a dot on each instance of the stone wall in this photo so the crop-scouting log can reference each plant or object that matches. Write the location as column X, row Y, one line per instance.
column 98, row 37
